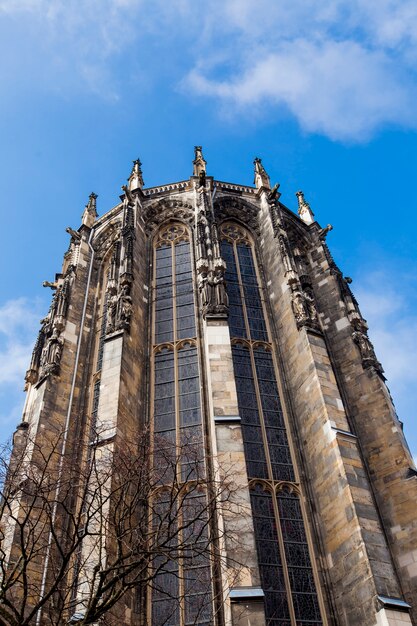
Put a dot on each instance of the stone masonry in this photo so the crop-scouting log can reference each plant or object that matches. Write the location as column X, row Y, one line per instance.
column 90, row 377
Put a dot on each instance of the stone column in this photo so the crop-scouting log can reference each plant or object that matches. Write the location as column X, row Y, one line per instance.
column 353, row 556
column 242, row 594
column 389, row 466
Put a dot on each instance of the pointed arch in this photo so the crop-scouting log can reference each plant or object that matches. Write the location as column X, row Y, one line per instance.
column 244, row 212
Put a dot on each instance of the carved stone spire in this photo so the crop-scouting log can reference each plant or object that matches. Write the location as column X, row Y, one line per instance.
column 90, row 211
column 304, row 210
column 135, row 180
column 261, row 177
column 199, row 165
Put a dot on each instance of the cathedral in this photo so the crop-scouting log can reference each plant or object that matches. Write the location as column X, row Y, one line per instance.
column 207, row 436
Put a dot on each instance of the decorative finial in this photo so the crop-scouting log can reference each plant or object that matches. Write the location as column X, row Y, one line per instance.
column 304, row 210
column 261, row 177
column 90, row 211
column 199, row 165
column 135, row 180
column 91, row 205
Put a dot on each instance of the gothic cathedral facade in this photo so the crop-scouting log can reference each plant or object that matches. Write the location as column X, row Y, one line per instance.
column 210, row 316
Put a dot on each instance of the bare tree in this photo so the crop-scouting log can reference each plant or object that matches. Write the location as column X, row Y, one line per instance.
column 127, row 522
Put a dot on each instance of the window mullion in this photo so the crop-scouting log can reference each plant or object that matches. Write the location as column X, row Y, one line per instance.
column 265, row 443
column 283, row 557
column 242, row 291
column 177, row 431
column 272, row 483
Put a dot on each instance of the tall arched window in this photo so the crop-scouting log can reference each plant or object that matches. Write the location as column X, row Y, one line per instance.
column 181, row 591
column 283, row 553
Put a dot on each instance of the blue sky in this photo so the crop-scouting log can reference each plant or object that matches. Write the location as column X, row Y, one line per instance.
column 323, row 91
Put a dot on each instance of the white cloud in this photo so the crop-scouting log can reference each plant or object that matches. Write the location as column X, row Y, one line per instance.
column 342, row 68
column 334, row 88
column 73, row 44
column 19, row 323
column 19, row 320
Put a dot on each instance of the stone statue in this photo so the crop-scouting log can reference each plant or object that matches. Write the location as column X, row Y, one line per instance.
column 47, row 322
column 285, row 254
column 364, row 345
column 31, row 375
column 202, row 227
column 124, row 308
column 212, row 288
column 221, row 299
column 51, row 354
column 112, row 301
column 205, row 289
column 304, row 307
column 299, row 308
column 215, row 240
column 310, row 305
column 62, row 301
column 55, row 352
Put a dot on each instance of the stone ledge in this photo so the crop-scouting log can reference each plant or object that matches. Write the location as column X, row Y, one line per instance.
column 241, row 594
column 227, row 419
column 394, row 603
column 344, row 433
column 117, row 333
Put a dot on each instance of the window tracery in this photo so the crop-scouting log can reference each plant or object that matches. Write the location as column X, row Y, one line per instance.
column 283, row 551
column 182, row 591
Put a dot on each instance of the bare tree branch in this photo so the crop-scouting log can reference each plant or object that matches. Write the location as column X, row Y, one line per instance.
column 126, row 520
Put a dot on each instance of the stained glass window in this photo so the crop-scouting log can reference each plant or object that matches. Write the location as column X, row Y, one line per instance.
column 283, row 552
column 236, row 318
column 182, row 590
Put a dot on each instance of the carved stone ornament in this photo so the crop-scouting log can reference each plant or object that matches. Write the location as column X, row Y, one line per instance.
column 51, row 355
column 107, row 238
column 32, row 373
column 120, row 276
column 123, row 308
column 275, row 215
column 165, row 209
column 239, row 209
column 111, row 291
column 203, row 237
column 289, row 268
column 62, row 301
column 304, row 308
column 214, row 298
column 304, row 209
column 46, row 355
column 210, row 266
column 261, row 178
column 112, row 300
column 366, row 349
column 135, row 180
column 302, row 296
column 199, row 166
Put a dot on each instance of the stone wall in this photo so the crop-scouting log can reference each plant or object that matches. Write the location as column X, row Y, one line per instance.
column 351, row 458
column 373, row 419
column 353, row 556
